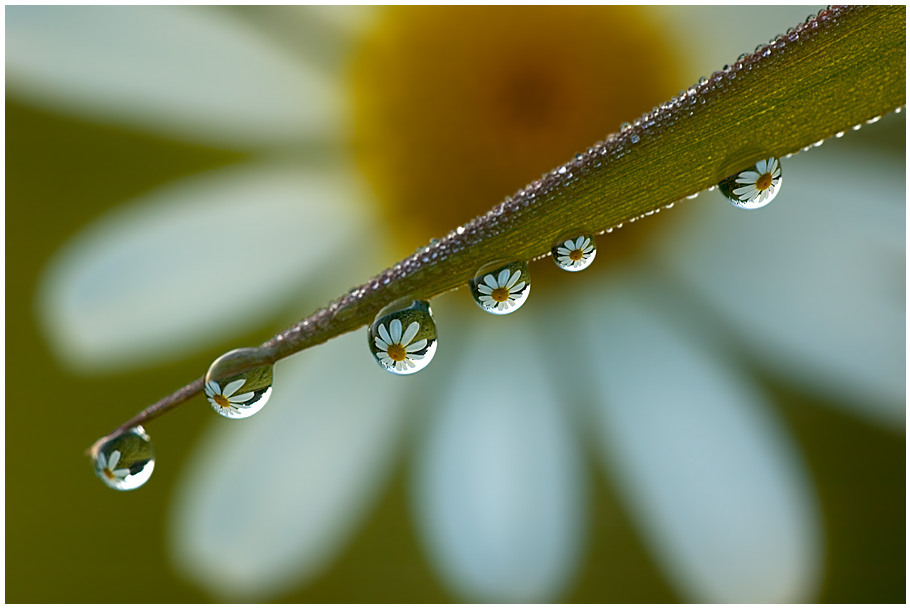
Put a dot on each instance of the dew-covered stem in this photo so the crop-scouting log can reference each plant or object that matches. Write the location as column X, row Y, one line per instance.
column 838, row 70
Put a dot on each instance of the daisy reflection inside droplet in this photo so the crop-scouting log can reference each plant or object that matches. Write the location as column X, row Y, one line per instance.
column 501, row 288
column 575, row 254
column 402, row 338
column 755, row 187
column 233, row 388
column 126, row 461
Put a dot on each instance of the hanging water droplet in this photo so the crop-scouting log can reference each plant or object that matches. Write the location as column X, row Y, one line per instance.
column 754, row 187
column 402, row 338
column 575, row 254
column 126, row 461
column 233, row 389
column 500, row 287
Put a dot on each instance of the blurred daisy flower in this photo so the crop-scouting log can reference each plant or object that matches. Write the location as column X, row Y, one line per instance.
column 425, row 118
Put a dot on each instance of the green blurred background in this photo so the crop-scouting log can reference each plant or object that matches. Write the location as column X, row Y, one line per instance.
column 70, row 539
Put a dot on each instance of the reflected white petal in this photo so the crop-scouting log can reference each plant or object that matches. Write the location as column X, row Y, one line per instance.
column 188, row 72
column 296, row 478
column 410, row 332
column 707, row 470
column 131, row 288
column 823, row 302
column 498, row 489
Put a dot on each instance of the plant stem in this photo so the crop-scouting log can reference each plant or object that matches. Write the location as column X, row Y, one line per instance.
column 843, row 68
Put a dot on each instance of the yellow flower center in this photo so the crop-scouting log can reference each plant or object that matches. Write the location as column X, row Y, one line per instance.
column 455, row 108
column 397, row 352
column 222, row 401
column 763, row 182
column 575, row 255
column 108, row 473
column 500, row 294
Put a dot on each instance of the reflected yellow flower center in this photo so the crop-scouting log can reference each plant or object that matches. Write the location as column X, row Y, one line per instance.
column 108, row 473
column 222, row 401
column 763, row 182
column 500, row 294
column 397, row 352
column 575, row 255
column 455, row 108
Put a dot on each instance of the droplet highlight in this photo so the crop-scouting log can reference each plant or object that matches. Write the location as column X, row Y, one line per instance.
column 402, row 338
column 126, row 461
column 501, row 288
column 754, row 187
column 235, row 390
column 575, row 254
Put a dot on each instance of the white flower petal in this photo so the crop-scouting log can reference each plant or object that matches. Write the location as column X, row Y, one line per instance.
column 822, row 302
column 188, row 72
column 491, row 281
column 115, row 458
column 242, row 398
column 298, row 476
column 761, row 166
column 131, row 289
column 706, row 468
column 484, row 289
column 514, row 278
column 233, row 387
column 499, row 492
column 516, row 289
column 395, row 331
column 410, row 332
column 416, row 346
column 381, row 344
column 212, row 388
column 385, row 334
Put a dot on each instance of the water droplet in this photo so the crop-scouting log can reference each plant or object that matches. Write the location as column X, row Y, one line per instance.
column 754, row 187
column 635, row 138
column 501, row 287
column 126, row 461
column 402, row 338
column 574, row 254
column 233, row 392
column 625, row 126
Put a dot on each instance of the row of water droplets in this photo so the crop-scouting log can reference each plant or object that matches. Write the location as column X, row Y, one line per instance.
column 403, row 337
